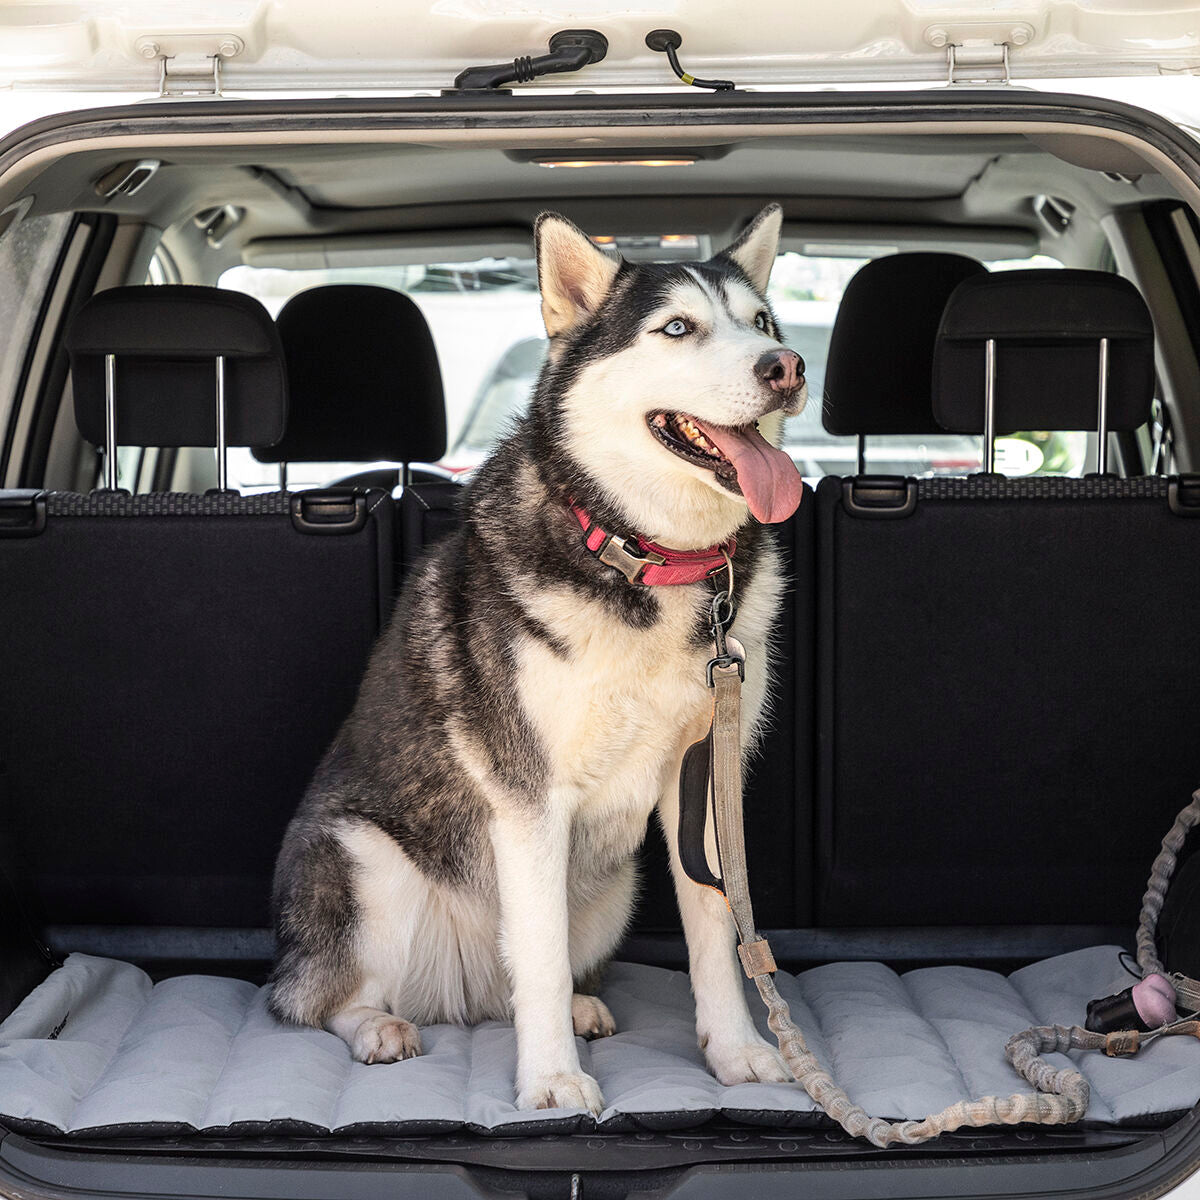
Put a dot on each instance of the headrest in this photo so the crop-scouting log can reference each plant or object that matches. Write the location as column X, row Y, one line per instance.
column 166, row 340
column 1047, row 325
column 880, row 364
column 364, row 381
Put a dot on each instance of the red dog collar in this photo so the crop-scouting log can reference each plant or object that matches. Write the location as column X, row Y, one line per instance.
column 650, row 564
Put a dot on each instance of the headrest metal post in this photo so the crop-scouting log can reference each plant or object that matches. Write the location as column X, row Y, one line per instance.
column 862, row 453
column 405, row 474
column 110, row 422
column 222, row 456
column 1102, row 412
column 989, row 406
column 283, row 476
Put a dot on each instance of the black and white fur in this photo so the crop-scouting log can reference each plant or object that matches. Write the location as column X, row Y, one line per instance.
column 466, row 849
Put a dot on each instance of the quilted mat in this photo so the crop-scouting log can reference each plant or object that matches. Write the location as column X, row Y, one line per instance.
column 99, row 1049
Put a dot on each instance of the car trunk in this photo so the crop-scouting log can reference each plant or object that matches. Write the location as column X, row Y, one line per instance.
column 914, row 936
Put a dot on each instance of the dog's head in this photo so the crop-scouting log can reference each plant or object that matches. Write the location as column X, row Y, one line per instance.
column 664, row 379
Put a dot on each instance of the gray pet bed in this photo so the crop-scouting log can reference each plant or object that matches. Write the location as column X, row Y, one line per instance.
column 98, row 1049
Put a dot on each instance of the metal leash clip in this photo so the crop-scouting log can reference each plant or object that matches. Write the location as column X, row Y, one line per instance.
column 721, row 615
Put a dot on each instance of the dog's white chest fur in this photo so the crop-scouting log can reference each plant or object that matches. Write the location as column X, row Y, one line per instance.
column 614, row 714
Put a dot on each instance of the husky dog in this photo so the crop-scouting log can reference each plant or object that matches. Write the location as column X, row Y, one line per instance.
column 466, row 849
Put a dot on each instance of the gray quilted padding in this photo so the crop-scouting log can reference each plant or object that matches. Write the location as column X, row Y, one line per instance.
column 99, row 1049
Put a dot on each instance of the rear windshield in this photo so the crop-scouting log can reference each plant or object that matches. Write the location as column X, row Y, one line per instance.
column 497, row 300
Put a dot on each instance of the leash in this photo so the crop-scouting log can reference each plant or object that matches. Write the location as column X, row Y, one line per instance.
column 1061, row 1095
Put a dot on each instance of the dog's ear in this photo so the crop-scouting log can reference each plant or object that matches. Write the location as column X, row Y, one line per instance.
column 573, row 274
column 756, row 249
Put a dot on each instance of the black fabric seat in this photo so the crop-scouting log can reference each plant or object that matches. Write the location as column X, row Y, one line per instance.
column 175, row 665
column 365, row 386
column 1006, row 693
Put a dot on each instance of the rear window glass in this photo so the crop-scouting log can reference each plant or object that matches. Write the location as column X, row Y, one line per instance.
column 497, row 300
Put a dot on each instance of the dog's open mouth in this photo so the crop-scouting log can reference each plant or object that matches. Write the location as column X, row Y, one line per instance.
column 680, row 433
column 743, row 461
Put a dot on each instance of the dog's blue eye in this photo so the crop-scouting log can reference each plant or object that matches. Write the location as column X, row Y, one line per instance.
column 760, row 321
column 676, row 328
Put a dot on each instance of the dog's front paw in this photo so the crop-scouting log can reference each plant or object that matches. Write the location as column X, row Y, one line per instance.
column 563, row 1090
column 746, row 1062
column 590, row 1017
column 385, row 1039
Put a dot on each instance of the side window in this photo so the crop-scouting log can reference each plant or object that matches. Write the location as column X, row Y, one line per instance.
column 28, row 255
column 162, row 268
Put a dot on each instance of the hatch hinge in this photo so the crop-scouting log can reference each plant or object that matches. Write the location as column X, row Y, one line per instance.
column 190, row 64
column 977, row 64
column 977, row 52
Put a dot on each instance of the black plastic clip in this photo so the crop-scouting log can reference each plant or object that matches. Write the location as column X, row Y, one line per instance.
column 329, row 511
column 570, row 50
column 882, row 497
column 1183, row 495
column 22, row 512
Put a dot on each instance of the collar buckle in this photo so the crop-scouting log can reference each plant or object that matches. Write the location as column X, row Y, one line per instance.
column 616, row 552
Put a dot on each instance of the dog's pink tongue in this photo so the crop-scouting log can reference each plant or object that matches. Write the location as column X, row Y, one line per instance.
column 768, row 477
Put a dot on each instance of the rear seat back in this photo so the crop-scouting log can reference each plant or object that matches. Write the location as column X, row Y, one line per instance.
column 429, row 509
column 180, row 662
column 1006, row 667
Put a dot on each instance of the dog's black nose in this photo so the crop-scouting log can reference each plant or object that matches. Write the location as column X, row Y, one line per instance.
column 782, row 369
